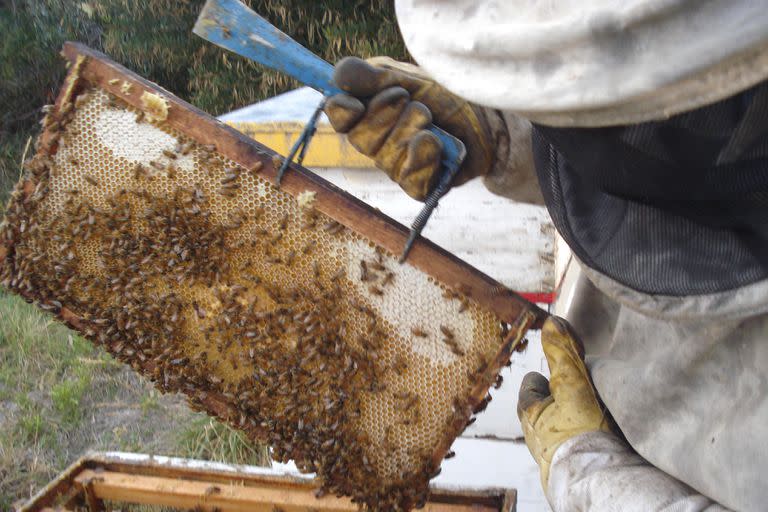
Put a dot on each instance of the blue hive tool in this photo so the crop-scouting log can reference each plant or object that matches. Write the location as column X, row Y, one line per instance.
column 232, row 25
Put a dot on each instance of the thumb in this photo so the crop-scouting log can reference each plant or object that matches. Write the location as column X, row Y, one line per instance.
column 533, row 391
column 570, row 381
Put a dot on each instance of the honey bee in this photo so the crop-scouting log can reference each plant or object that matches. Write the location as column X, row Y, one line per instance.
column 497, row 383
column 464, row 305
column 198, row 310
column 388, row 277
column 169, row 154
column 255, row 168
column 307, row 247
column 446, row 332
column 332, row 227
column 283, row 224
column 229, row 178
column 81, row 99
column 483, row 404
column 375, row 290
column 157, row 165
column 113, row 81
column 522, row 346
column 400, row 365
column 450, row 454
column 139, row 116
column 364, row 275
column 418, row 332
column 454, row 347
column 91, row 180
column 139, row 171
column 377, row 266
column 227, row 192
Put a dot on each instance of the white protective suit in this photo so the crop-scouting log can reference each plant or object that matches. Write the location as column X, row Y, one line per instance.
column 686, row 378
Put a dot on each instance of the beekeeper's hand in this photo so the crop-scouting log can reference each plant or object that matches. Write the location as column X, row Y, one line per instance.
column 388, row 106
column 566, row 406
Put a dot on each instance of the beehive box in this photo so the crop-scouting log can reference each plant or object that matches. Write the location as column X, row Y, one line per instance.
column 118, row 481
column 157, row 232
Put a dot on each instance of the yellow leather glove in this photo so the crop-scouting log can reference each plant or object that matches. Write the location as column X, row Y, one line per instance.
column 566, row 406
column 388, row 106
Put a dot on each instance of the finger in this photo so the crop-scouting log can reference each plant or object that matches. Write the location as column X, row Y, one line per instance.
column 383, row 111
column 421, row 166
column 358, row 78
column 533, row 398
column 343, row 111
column 534, row 388
column 414, row 118
column 569, row 378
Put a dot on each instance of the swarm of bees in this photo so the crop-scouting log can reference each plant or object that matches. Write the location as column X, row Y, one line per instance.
column 242, row 305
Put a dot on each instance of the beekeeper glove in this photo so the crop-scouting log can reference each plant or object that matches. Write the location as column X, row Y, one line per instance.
column 385, row 112
column 566, row 406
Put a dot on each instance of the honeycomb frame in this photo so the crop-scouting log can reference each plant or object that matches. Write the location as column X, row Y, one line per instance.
column 366, row 234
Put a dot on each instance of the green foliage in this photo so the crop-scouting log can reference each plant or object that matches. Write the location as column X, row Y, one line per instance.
column 154, row 38
column 149, row 402
column 207, row 439
column 31, row 424
column 66, row 397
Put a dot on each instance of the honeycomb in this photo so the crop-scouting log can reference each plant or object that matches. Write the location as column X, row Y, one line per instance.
column 208, row 279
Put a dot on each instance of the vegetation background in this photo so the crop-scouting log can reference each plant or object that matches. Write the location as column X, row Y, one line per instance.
column 60, row 397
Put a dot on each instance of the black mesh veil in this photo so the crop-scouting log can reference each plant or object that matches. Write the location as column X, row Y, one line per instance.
column 674, row 207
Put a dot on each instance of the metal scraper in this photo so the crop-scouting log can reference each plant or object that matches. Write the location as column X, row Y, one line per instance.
column 232, row 25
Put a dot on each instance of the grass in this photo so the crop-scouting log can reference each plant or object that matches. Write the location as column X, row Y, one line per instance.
column 208, row 439
column 60, row 397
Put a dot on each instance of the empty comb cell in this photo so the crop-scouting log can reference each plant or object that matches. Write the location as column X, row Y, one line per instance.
column 284, row 312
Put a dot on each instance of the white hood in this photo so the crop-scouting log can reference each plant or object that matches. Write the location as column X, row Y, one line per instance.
column 590, row 63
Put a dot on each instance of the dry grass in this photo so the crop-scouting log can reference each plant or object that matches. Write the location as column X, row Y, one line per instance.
column 61, row 397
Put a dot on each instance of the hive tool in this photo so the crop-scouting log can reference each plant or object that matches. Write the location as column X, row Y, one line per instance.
column 233, row 26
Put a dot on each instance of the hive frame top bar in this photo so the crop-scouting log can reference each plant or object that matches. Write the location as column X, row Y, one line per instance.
column 96, row 68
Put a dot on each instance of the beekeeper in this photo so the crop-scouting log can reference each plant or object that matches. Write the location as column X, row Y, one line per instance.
column 642, row 125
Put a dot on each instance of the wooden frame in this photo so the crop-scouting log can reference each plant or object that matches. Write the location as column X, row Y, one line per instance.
column 98, row 69
column 89, row 67
column 186, row 484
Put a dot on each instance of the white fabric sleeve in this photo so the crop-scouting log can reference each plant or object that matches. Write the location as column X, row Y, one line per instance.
column 596, row 472
column 513, row 175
